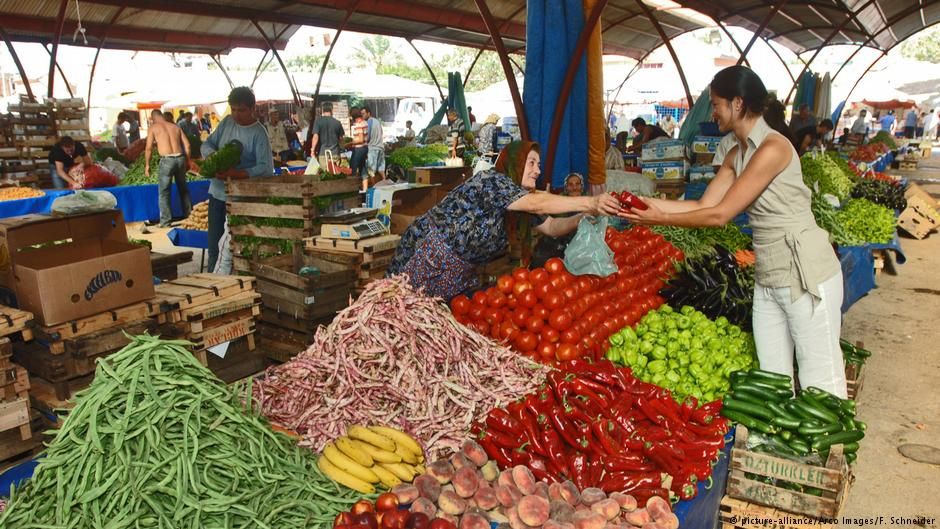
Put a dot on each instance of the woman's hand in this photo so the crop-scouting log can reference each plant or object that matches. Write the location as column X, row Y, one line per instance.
column 605, row 204
column 650, row 216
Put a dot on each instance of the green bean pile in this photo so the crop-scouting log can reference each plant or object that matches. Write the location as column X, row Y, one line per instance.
column 699, row 242
column 158, row 441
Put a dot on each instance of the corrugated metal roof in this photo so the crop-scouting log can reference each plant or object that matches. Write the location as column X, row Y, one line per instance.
column 216, row 26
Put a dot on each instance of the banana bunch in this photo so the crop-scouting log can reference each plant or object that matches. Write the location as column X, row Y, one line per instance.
column 369, row 455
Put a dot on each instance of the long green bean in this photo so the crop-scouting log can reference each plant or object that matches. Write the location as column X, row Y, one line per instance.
column 158, row 441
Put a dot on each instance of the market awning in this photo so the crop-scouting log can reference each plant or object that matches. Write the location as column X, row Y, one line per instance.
column 889, row 105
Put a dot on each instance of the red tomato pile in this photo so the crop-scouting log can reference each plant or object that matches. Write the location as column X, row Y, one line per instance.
column 550, row 314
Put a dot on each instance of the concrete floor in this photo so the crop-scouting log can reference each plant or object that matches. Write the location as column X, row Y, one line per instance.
column 900, row 400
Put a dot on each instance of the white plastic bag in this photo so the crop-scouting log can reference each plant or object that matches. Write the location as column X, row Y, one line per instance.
column 588, row 253
column 115, row 167
column 313, row 166
column 83, row 202
column 223, row 265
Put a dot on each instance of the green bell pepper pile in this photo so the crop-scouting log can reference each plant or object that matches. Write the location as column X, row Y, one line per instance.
column 684, row 351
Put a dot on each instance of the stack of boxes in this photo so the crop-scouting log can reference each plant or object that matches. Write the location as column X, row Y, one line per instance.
column 703, row 155
column 666, row 162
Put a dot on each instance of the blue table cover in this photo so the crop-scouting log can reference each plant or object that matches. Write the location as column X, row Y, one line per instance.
column 189, row 238
column 701, row 512
column 139, row 203
column 858, row 270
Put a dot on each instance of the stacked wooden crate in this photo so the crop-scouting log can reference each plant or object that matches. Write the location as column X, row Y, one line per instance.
column 298, row 293
column 62, row 358
column 368, row 258
column 267, row 215
column 17, row 435
column 34, row 134
column 209, row 310
column 71, row 118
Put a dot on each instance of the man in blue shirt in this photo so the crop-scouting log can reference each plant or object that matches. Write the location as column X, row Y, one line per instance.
column 910, row 123
column 887, row 122
column 256, row 160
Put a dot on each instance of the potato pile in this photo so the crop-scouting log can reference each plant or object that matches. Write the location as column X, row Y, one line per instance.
column 17, row 193
column 198, row 218
column 469, row 491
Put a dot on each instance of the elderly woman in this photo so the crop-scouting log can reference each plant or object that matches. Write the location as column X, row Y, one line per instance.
column 441, row 250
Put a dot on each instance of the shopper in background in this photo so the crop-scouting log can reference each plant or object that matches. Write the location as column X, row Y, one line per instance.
column 409, row 134
column 359, row 130
column 548, row 247
column 802, row 120
column 930, row 124
column 921, row 120
column 442, row 248
column 645, row 134
column 669, row 125
column 328, row 135
column 470, row 116
column 256, row 160
column 888, row 122
column 174, row 150
column 205, row 124
column 119, row 134
column 809, row 137
column 375, row 163
column 62, row 157
column 456, row 131
column 278, row 136
column 613, row 158
column 861, row 123
column 798, row 283
column 910, row 123
column 486, row 136
column 133, row 128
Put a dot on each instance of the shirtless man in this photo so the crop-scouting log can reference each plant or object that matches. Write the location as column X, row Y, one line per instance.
column 171, row 143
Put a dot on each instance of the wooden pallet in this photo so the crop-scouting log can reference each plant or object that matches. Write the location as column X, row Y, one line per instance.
column 201, row 289
column 242, row 359
column 737, row 514
column 13, row 448
column 14, row 321
column 215, row 308
column 14, row 415
column 166, row 266
column 14, row 383
column 372, row 245
column 854, row 380
column 49, row 397
column 834, row 480
column 6, row 353
column 103, row 321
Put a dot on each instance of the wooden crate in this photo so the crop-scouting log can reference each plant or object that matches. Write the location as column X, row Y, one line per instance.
column 166, row 266
column 200, row 289
column 878, row 260
column 14, row 321
column 241, row 360
column 14, row 415
column 14, row 383
column 281, row 343
column 834, row 479
column 47, row 398
column 737, row 514
column 13, row 448
column 285, row 291
column 926, row 210
column 6, row 353
column 106, row 320
column 908, row 165
column 854, row 380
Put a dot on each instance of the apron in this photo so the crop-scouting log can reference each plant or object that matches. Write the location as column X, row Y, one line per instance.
column 438, row 270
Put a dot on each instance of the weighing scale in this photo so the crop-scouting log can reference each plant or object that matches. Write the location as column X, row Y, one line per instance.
column 356, row 223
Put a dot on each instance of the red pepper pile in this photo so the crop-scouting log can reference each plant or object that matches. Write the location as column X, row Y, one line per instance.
column 550, row 314
column 597, row 425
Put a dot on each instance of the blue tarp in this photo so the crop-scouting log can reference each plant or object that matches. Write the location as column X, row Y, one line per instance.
column 701, row 512
column 139, row 203
column 552, row 30
column 189, row 238
column 858, row 269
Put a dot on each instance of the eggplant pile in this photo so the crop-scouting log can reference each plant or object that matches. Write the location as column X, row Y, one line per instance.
column 881, row 192
column 715, row 285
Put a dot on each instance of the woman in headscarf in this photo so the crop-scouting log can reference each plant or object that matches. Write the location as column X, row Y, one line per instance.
column 441, row 250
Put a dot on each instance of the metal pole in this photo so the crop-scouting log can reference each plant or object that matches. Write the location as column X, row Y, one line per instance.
column 94, row 63
column 261, row 66
column 852, row 16
column 503, row 28
column 218, row 62
column 59, row 24
column 777, row 7
column 741, row 56
column 278, row 57
column 19, row 65
column 472, row 64
column 870, row 66
column 61, row 73
column 561, row 104
column 672, row 52
column 430, row 71
column 783, row 62
column 507, row 67
column 847, row 61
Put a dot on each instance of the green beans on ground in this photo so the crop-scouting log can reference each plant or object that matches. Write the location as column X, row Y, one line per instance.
column 158, row 441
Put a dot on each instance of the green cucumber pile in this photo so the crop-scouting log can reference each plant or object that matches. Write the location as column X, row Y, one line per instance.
column 158, row 441
column 853, row 354
column 795, row 427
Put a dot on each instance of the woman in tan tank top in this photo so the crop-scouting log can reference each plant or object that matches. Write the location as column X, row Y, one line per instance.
column 798, row 292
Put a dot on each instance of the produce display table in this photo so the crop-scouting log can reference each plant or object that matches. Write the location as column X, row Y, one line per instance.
column 139, row 203
column 858, row 273
column 701, row 512
column 191, row 239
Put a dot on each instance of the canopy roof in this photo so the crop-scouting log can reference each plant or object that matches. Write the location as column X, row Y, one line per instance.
column 217, row 26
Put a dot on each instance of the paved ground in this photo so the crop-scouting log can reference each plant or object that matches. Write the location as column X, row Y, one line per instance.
column 900, row 399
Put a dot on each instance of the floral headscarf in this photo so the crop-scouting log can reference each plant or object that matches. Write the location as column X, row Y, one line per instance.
column 511, row 160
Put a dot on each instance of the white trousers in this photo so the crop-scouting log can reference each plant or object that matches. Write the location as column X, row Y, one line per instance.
column 813, row 329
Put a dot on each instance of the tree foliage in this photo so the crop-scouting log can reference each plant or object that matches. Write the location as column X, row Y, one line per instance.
column 375, row 52
column 923, row 47
column 486, row 72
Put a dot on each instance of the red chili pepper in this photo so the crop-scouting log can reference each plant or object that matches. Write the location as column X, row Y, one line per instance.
column 553, row 444
column 650, row 410
column 602, row 434
column 689, row 406
column 629, row 200
column 706, row 413
column 496, row 453
column 501, row 421
column 624, row 463
column 670, row 409
column 669, row 458
column 565, row 429
column 578, row 467
column 684, row 485
column 643, row 495
column 541, row 469
column 587, row 388
column 596, row 468
column 500, row 439
column 628, row 482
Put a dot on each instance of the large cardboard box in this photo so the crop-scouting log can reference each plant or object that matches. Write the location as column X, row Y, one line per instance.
column 61, row 269
column 665, row 170
column 705, row 144
column 663, row 150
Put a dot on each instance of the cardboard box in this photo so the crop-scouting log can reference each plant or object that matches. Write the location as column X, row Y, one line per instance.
column 665, row 170
column 701, row 172
column 93, row 268
column 705, row 144
column 663, row 150
column 913, row 223
column 925, row 209
column 914, row 190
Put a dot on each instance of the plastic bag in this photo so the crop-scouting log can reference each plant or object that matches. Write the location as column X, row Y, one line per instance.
column 224, row 263
column 83, row 202
column 313, row 166
column 115, row 167
column 588, row 253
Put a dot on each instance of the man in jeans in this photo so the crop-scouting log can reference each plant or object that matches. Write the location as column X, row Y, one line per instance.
column 375, row 163
column 173, row 147
column 256, row 160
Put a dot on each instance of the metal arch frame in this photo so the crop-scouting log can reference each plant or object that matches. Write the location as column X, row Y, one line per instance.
column 19, row 65
column 260, row 66
column 760, row 29
column 561, row 104
column 61, row 72
column 218, row 62
column 59, row 25
column 840, row 27
column 813, row 28
column 482, row 49
column 782, row 62
column 277, row 56
column 94, row 63
column 672, row 52
column 870, row 66
column 741, row 55
column 495, row 35
column 430, row 71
